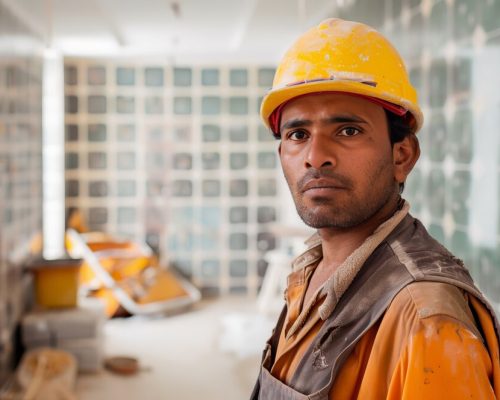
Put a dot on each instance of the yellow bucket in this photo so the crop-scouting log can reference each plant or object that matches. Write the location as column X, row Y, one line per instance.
column 56, row 282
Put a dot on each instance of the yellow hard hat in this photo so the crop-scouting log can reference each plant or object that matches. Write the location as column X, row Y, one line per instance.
column 343, row 56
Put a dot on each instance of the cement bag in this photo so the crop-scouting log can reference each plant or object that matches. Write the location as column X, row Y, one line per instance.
column 47, row 374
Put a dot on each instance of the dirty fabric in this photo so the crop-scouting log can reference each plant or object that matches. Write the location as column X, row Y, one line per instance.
column 433, row 342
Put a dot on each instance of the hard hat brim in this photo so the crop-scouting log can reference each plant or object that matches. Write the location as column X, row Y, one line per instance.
column 279, row 96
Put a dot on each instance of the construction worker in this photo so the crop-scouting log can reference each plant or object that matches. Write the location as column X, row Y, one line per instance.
column 375, row 308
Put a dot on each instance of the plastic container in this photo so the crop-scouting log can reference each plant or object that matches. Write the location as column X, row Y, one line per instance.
column 56, row 282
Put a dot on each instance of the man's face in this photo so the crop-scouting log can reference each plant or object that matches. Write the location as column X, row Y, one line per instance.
column 337, row 159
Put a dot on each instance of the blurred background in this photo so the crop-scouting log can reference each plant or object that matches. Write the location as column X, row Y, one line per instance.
column 136, row 124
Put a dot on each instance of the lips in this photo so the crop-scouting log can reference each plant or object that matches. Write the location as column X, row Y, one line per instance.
column 319, row 184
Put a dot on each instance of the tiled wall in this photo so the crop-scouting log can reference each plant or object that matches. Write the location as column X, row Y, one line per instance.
column 175, row 156
column 452, row 49
column 20, row 168
column 178, row 156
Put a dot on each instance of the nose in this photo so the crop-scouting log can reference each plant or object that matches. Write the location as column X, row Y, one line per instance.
column 320, row 153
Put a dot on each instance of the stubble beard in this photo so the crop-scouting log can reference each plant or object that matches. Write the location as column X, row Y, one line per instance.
column 349, row 210
column 327, row 213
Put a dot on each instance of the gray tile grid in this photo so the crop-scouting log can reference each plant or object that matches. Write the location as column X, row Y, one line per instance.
column 211, row 113
column 188, row 168
column 20, row 173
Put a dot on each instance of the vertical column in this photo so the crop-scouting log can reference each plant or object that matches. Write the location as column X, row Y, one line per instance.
column 53, row 156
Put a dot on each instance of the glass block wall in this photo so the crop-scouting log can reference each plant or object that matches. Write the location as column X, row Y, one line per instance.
column 452, row 49
column 20, row 168
column 175, row 156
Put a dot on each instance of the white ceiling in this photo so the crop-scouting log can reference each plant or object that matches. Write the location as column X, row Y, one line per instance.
column 249, row 31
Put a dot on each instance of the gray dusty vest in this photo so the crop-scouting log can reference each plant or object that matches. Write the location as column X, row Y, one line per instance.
column 407, row 255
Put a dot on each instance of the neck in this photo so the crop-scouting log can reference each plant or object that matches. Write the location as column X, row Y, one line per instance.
column 339, row 243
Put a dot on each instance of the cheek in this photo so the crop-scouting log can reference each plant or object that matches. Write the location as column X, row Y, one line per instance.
column 290, row 169
column 372, row 169
column 287, row 171
column 287, row 161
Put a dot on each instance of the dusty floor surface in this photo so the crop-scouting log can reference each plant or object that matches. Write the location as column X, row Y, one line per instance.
column 209, row 352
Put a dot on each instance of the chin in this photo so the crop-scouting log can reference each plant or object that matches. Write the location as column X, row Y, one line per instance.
column 319, row 217
column 319, row 220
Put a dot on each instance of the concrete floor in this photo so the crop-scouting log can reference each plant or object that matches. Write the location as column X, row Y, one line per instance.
column 209, row 352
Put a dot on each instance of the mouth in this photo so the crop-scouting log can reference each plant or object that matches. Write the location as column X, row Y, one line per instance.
column 321, row 186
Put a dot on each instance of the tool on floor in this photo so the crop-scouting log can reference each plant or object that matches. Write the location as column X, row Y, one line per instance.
column 123, row 365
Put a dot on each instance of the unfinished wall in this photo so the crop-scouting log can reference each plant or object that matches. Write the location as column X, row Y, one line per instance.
column 176, row 156
column 20, row 167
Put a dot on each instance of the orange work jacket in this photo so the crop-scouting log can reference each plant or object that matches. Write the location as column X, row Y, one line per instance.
column 426, row 346
column 410, row 325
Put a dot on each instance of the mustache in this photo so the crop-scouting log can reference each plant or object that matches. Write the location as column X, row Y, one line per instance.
column 332, row 176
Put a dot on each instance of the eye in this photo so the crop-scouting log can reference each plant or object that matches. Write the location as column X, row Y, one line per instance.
column 296, row 135
column 349, row 131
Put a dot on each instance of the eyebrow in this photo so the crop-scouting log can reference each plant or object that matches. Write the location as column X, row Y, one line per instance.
column 334, row 119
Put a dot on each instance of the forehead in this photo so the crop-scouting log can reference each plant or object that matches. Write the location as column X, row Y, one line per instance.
column 323, row 105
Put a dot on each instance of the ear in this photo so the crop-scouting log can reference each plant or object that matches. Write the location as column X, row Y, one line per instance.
column 404, row 155
column 279, row 149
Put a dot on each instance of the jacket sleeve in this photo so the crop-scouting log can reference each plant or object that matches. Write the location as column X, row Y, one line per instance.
column 443, row 359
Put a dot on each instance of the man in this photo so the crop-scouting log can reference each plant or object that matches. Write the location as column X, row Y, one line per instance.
column 375, row 308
